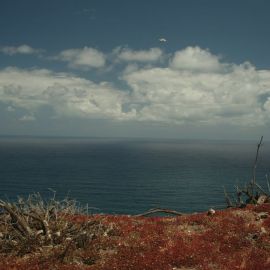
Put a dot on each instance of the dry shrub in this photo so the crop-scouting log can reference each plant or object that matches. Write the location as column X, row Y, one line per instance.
column 56, row 229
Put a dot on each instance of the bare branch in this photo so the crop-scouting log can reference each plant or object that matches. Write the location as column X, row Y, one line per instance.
column 18, row 218
column 255, row 165
column 160, row 210
column 227, row 198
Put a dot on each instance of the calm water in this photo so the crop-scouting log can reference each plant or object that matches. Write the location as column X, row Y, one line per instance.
column 129, row 176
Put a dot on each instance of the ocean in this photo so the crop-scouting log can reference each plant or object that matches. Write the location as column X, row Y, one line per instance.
column 129, row 176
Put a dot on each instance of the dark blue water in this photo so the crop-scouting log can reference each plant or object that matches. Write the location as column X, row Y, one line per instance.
column 129, row 176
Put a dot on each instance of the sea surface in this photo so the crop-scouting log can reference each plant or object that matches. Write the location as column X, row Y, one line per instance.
column 129, row 176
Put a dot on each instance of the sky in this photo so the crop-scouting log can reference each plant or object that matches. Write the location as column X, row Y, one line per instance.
column 160, row 69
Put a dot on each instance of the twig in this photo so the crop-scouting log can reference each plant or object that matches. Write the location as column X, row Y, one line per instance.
column 261, row 189
column 227, row 198
column 255, row 166
column 239, row 193
column 267, row 181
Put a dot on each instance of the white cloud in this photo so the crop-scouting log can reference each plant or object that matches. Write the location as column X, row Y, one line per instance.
column 196, row 59
column 208, row 92
column 83, row 58
column 67, row 95
column 220, row 93
column 128, row 55
column 23, row 49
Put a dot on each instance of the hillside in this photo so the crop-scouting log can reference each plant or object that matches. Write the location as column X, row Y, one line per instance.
column 235, row 238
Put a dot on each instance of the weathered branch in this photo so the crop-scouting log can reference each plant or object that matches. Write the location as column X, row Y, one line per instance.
column 160, row 210
column 17, row 218
column 43, row 222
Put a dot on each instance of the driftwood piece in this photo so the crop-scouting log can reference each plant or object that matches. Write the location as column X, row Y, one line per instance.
column 160, row 210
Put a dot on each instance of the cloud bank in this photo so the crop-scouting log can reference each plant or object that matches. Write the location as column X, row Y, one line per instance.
column 195, row 87
column 67, row 95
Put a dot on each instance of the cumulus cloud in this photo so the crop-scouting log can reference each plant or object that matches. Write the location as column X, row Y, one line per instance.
column 196, row 59
column 23, row 49
column 67, row 95
column 181, row 96
column 84, row 58
column 186, row 91
column 128, row 55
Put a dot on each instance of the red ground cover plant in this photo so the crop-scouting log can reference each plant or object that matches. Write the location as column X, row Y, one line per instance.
column 229, row 239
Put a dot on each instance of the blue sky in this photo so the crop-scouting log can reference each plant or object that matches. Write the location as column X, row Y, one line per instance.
column 98, row 68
